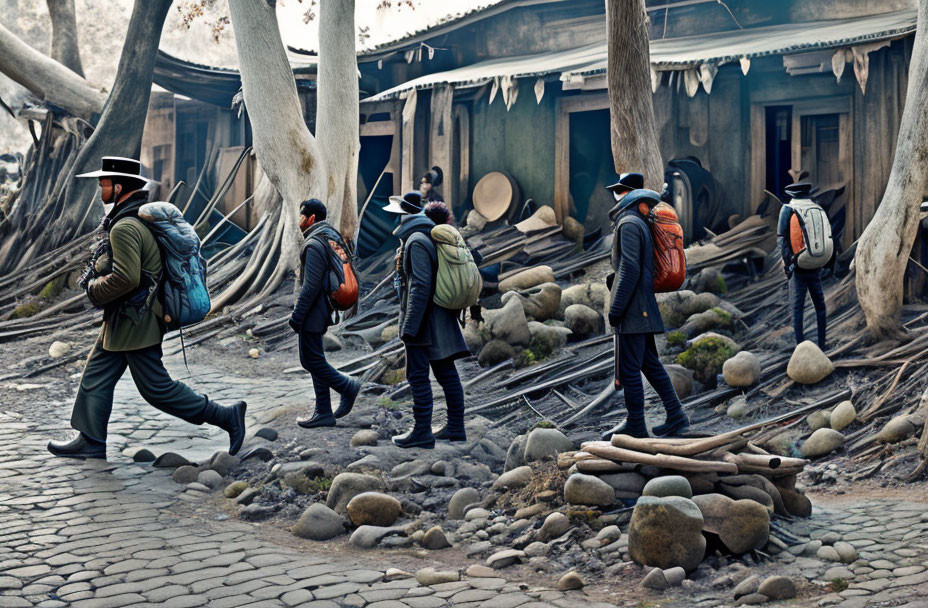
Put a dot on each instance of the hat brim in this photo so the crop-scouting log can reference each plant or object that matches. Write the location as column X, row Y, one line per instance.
column 619, row 188
column 101, row 173
column 394, row 207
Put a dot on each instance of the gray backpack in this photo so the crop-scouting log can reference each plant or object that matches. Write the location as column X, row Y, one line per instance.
column 810, row 234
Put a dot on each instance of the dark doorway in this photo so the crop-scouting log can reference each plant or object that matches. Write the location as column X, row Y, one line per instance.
column 591, row 168
column 376, row 230
column 778, row 148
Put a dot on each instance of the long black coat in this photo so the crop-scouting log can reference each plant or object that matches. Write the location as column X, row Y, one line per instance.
column 311, row 312
column 422, row 322
column 634, row 308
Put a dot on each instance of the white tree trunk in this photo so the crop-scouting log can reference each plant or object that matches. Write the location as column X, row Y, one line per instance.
column 47, row 79
column 337, row 112
column 288, row 153
column 631, row 109
column 64, row 47
column 885, row 246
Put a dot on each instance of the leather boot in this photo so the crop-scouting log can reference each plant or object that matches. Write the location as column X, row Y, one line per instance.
column 449, row 433
column 348, row 398
column 677, row 423
column 317, row 420
column 419, row 437
column 231, row 419
column 632, row 428
column 80, row 447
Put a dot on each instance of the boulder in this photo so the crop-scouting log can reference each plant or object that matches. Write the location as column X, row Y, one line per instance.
column 364, row 437
column 185, row 474
column 547, row 339
column 708, row 320
column 778, row 588
column 472, row 335
column 843, row 415
column 706, row 355
column 583, row 321
column 626, row 485
column 373, row 509
column 675, row 576
column 318, row 522
column 796, row 504
column 505, row 558
column 666, row 533
column 570, row 581
column 821, row 442
column 508, row 323
column 742, row 525
column 331, row 342
column 516, row 478
column 367, row 537
column 515, row 455
column 818, row 420
column 656, row 580
column 809, row 364
column 223, row 463
column 461, row 499
column 583, row 489
column 572, row 229
column 846, row 552
column 554, row 526
column 495, row 351
column 435, row 539
column 530, row 277
column 58, row 349
column 678, row 306
column 540, row 302
column 708, row 280
column 594, row 295
column 546, row 444
column 681, row 378
column 668, row 485
column 346, row 486
column 742, row 370
column 896, row 430
column 209, row 478
column 747, row 586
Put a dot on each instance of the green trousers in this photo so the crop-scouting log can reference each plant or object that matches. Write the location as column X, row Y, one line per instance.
column 104, row 369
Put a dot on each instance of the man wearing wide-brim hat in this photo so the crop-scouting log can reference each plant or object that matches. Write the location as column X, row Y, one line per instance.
column 125, row 283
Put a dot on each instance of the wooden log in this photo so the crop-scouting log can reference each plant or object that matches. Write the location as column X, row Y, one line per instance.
column 764, row 462
column 607, row 451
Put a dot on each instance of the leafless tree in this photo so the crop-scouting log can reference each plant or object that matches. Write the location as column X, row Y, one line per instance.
column 64, row 47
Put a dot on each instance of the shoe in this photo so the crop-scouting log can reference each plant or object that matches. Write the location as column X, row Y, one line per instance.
column 418, row 437
column 231, row 419
column 673, row 426
column 639, row 431
column 348, row 399
column 317, row 420
column 444, row 434
column 81, row 447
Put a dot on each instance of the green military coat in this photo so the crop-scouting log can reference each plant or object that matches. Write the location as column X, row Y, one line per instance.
column 135, row 253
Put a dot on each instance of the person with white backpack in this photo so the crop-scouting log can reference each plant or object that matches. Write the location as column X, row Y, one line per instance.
column 807, row 247
column 436, row 279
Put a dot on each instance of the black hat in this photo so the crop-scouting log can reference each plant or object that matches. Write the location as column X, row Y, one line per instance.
column 641, row 195
column 410, row 203
column 117, row 166
column 627, row 181
column 313, row 207
column 434, row 177
column 801, row 190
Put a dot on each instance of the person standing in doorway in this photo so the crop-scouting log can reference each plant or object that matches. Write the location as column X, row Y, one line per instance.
column 312, row 316
column 428, row 184
column 634, row 314
column 430, row 333
column 124, row 281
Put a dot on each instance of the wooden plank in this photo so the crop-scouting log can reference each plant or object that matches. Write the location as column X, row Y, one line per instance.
column 377, row 128
column 441, row 132
column 562, row 161
column 758, row 157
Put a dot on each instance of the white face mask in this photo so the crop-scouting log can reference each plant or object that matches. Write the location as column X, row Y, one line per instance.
column 107, row 207
column 618, row 196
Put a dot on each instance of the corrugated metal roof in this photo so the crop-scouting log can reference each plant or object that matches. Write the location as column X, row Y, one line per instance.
column 678, row 53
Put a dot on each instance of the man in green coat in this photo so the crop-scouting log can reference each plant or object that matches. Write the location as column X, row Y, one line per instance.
column 125, row 283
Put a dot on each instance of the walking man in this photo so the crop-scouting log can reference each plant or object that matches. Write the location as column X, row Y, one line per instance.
column 312, row 316
column 127, row 287
column 431, row 334
column 806, row 246
column 634, row 314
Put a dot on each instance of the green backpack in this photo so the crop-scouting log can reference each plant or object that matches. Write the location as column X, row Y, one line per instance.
column 458, row 282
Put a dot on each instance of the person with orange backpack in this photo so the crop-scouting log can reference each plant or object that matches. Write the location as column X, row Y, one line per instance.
column 634, row 314
column 807, row 247
column 328, row 285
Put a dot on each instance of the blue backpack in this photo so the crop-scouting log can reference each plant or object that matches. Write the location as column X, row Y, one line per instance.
column 183, row 285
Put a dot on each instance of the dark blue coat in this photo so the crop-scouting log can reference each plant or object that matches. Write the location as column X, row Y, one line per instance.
column 422, row 322
column 311, row 312
column 634, row 308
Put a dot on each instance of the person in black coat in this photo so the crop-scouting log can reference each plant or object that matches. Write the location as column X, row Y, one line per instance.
column 431, row 334
column 635, row 317
column 312, row 316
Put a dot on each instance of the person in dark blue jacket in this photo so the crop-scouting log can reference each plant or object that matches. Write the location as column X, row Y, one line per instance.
column 635, row 317
column 312, row 316
column 431, row 334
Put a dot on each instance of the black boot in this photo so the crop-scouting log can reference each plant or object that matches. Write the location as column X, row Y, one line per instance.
column 317, row 420
column 348, row 398
column 419, row 437
column 448, row 433
column 632, row 428
column 80, row 447
column 677, row 423
column 231, row 419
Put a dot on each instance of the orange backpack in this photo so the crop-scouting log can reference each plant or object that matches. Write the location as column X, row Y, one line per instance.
column 342, row 279
column 669, row 259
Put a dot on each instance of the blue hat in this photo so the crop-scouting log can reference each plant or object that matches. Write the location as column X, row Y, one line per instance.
column 627, row 181
column 641, row 195
column 409, row 204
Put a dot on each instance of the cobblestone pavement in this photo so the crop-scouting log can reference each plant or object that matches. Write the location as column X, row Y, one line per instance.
column 102, row 534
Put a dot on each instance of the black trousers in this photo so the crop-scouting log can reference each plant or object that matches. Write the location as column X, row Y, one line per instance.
column 799, row 285
column 104, row 368
column 637, row 355
column 417, row 373
column 325, row 377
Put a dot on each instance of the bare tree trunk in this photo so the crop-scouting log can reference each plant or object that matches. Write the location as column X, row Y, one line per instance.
column 288, row 153
column 337, row 112
column 64, row 47
column 47, row 79
column 634, row 136
column 885, row 246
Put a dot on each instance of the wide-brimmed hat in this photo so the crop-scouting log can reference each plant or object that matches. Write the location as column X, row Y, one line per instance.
column 627, row 181
column 800, row 190
column 117, row 166
column 639, row 195
column 408, row 204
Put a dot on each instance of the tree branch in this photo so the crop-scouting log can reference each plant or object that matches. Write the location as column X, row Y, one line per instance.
column 64, row 48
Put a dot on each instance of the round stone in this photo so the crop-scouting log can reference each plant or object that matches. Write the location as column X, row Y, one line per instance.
column 668, row 485
column 374, row 509
column 666, row 533
column 319, row 522
column 583, row 489
column 209, row 478
column 461, row 499
column 364, row 437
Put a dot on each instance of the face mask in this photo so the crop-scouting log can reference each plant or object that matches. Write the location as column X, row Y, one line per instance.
column 108, row 207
